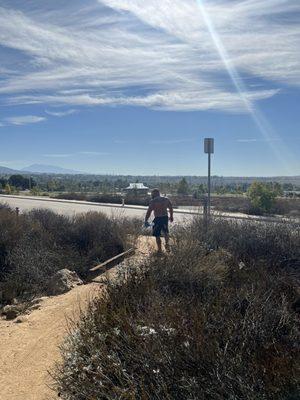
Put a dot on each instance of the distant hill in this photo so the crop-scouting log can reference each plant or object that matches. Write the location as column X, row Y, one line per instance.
column 49, row 169
column 8, row 171
column 149, row 180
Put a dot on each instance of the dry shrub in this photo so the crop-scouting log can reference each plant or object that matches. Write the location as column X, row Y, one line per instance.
column 274, row 243
column 106, row 198
column 118, row 199
column 11, row 230
column 287, row 207
column 32, row 262
column 198, row 324
column 70, row 196
column 96, row 238
column 282, row 206
column 35, row 245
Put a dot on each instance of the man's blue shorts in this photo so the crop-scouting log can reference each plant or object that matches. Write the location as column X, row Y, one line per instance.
column 161, row 225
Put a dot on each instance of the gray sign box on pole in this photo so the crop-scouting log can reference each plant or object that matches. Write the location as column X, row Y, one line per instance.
column 208, row 146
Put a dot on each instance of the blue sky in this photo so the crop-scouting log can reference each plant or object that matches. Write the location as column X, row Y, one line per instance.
column 133, row 86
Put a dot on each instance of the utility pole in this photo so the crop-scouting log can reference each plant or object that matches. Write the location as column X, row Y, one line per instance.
column 209, row 149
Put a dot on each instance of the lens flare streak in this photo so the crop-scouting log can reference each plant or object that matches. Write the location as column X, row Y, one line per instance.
column 261, row 122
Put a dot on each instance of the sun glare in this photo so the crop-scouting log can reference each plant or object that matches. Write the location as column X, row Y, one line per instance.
column 267, row 131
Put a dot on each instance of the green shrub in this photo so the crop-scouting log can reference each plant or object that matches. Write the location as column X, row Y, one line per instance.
column 183, row 187
column 262, row 198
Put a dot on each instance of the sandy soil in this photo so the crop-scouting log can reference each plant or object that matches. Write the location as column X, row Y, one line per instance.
column 28, row 350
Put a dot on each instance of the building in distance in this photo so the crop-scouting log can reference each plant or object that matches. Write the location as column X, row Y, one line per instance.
column 136, row 189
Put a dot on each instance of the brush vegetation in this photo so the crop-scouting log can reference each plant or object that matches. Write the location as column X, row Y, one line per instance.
column 36, row 244
column 216, row 319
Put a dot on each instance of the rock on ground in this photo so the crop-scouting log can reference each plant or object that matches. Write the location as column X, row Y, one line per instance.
column 63, row 281
column 10, row 311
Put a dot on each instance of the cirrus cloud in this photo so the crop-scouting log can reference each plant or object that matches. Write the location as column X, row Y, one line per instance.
column 60, row 113
column 24, row 119
column 155, row 54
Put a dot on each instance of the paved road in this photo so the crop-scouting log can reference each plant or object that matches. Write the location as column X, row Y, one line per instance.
column 71, row 207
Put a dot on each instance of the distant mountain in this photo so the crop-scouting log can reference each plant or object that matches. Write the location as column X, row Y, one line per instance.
column 49, row 169
column 149, row 179
column 8, row 171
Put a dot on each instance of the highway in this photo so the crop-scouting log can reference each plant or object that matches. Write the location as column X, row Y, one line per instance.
column 71, row 207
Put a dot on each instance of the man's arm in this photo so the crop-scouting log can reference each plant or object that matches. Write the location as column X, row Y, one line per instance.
column 148, row 213
column 170, row 207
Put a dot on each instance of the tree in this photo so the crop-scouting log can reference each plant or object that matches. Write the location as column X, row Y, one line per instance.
column 288, row 186
column 238, row 189
column 52, row 185
column 277, row 188
column 183, row 187
column 221, row 190
column 199, row 191
column 7, row 189
column 35, row 191
column 202, row 189
column 3, row 182
column 21, row 182
column 261, row 196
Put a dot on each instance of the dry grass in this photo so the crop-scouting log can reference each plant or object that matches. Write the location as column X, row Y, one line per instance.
column 202, row 323
column 282, row 206
column 34, row 245
column 105, row 198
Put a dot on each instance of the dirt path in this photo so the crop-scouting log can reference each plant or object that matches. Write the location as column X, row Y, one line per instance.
column 28, row 350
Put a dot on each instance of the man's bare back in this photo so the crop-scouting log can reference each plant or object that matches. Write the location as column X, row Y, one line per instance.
column 160, row 207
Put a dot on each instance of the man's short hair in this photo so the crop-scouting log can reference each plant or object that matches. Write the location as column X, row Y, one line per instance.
column 155, row 192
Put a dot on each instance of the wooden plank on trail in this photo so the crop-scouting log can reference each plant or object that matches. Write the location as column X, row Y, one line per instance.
column 104, row 264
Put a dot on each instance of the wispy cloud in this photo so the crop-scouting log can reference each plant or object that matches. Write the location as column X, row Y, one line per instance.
column 247, row 140
column 162, row 49
column 57, row 155
column 60, row 113
column 67, row 155
column 253, row 140
column 24, row 120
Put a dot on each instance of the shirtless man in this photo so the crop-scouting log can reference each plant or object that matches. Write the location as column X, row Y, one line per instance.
column 160, row 205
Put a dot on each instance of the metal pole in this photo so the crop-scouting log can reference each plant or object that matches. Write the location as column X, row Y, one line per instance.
column 209, row 149
column 208, row 186
column 205, row 216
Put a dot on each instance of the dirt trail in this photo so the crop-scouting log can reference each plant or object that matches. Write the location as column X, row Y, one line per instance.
column 28, row 350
